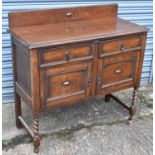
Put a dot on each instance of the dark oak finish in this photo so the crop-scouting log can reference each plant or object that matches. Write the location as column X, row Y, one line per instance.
column 63, row 84
column 18, row 110
column 117, row 69
column 122, row 44
column 132, row 110
column 23, row 64
column 63, row 56
column 60, row 55
column 53, row 16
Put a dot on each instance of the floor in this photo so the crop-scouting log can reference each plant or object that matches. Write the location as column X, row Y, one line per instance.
column 92, row 127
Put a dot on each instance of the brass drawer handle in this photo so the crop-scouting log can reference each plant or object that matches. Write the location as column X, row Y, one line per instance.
column 67, row 55
column 122, row 47
column 69, row 14
column 118, row 71
column 66, row 83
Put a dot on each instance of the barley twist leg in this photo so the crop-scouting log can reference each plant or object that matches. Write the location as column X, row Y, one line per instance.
column 133, row 109
column 36, row 139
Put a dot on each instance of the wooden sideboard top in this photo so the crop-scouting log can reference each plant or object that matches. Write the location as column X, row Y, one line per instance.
column 68, row 25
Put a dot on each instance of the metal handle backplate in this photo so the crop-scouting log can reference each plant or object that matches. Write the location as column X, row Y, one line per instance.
column 67, row 55
column 122, row 47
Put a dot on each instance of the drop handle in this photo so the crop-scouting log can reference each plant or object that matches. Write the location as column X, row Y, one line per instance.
column 66, row 83
column 122, row 47
column 69, row 14
column 118, row 71
column 67, row 55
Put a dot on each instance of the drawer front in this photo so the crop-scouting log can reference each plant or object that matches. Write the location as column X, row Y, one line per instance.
column 55, row 56
column 114, row 71
column 65, row 84
column 120, row 45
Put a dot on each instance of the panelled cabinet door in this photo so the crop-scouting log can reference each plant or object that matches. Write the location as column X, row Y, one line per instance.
column 65, row 84
column 117, row 71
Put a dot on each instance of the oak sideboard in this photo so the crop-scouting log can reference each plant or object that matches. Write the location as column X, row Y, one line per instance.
column 66, row 55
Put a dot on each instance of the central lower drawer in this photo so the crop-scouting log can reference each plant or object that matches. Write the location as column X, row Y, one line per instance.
column 65, row 54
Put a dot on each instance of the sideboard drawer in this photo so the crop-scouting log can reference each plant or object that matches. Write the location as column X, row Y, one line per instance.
column 120, row 44
column 55, row 56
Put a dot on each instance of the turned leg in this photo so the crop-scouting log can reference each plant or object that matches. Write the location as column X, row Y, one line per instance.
column 132, row 109
column 18, row 110
column 107, row 98
column 36, row 138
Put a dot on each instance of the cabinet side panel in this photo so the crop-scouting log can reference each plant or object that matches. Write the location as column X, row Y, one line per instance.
column 23, row 68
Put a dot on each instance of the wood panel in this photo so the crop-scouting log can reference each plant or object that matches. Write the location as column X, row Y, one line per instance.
column 35, row 82
column 73, row 32
column 117, row 69
column 24, row 95
column 52, row 16
column 121, row 44
column 23, row 68
column 64, row 54
column 116, row 87
column 66, row 83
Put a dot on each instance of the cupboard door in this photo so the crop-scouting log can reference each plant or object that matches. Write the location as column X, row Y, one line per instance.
column 65, row 84
column 117, row 72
